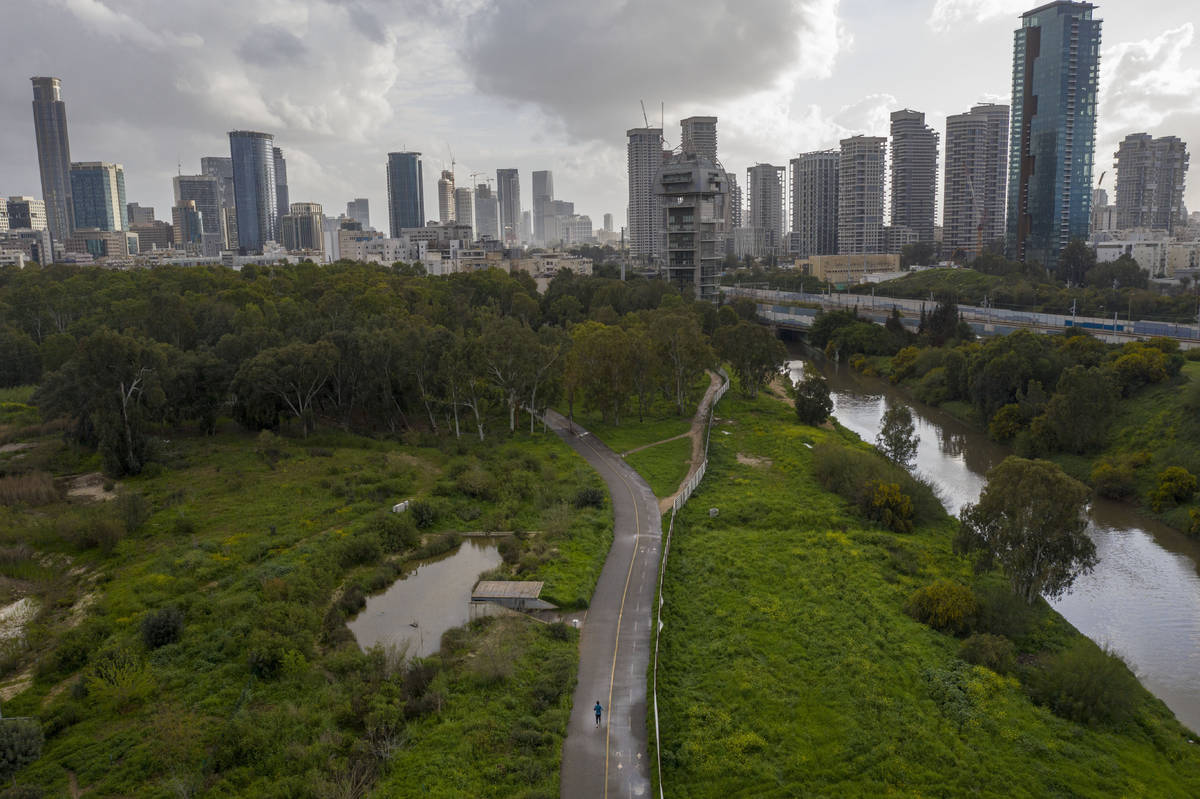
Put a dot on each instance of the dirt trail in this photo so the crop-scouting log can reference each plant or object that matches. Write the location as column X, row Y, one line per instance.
column 697, row 435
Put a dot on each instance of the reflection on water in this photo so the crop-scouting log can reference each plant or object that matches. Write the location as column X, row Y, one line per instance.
column 432, row 598
column 1142, row 600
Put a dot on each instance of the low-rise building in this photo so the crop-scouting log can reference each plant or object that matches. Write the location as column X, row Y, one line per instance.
column 842, row 270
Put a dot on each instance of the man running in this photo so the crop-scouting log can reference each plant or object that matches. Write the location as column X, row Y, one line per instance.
column 598, row 710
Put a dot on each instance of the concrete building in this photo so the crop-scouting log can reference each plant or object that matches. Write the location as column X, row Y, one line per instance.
column 188, row 223
column 735, row 204
column 608, row 223
column 222, row 169
column 644, row 160
column 975, row 179
column 1056, row 60
column 699, row 137
column 543, row 192
column 4, row 216
column 692, row 193
column 860, row 194
column 406, row 191
column 205, row 192
column 1150, row 180
column 154, row 235
column 508, row 192
column 302, row 229
column 102, row 243
column 766, row 186
column 255, row 198
column 34, row 244
column 843, row 270
column 54, row 155
column 445, row 186
column 359, row 209
column 27, row 213
column 464, row 207
column 138, row 214
column 282, row 200
column 914, row 173
column 98, row 196
column 576, row 229
column 487, row 213
column 815, row 203
column 554, row 221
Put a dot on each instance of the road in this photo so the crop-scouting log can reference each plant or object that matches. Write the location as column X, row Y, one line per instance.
column 614, row 645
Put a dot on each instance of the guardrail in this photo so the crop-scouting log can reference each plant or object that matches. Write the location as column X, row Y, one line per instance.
column 680, row 498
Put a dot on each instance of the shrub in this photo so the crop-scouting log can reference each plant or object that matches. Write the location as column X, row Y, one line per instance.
column 182, row 525
column 889, row 507
column 510, row 550
column 162, row 627
column 934, row 388
column 1085, row 683
column 944, row 605
column 903, row 363
column 20, row 745
column 1114, row 481
column 993, row 652
column 357, row 550
column 134, row 511
column 1001, row 611
column 34, row 488
column 423, row 513
column 119, row 677
column 395, row 531
column 589, row 497
column 1175, row 485
column 847, row 472
column 1007, row 423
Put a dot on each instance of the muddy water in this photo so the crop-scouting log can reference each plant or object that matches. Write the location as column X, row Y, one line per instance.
column 435, row 596
column 1143, row 599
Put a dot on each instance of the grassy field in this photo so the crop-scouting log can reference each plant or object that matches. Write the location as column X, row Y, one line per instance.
column 789, row 667
column 265, row 545
column 664, row 465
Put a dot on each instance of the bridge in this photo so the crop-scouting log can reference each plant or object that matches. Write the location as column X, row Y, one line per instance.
column 795, row 310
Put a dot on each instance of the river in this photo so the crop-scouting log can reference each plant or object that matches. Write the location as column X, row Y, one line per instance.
column 1142, row 600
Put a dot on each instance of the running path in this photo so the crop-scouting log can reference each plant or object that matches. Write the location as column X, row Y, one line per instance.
column 614, row 647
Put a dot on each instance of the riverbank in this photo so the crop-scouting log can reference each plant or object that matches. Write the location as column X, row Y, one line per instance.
column 796, row 671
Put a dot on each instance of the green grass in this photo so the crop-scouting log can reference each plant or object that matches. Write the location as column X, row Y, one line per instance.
column 21, row 394
column 788, row 667
column 664, row 466
column 631, row 433
column 251, row 538
column 966, row 283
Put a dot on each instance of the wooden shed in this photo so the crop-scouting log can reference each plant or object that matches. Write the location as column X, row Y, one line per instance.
column 515, row 594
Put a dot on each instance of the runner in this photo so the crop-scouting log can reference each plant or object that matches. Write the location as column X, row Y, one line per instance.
column 598, row 710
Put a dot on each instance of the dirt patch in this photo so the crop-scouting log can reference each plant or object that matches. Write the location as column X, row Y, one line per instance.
column 750, row 460
column 91, row 487
column 80, row 609
column 14, row 616
column 6, row 448
column 13, row 687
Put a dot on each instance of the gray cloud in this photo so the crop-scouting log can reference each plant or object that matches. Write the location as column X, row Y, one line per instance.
column 272, row 46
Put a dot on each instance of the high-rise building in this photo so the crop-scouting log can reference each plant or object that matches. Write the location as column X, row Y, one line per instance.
column 154, row 235
column 543, row 192
column 54, row 155
column 188, row 226
column 205, row 192
column 914, row 173
column 975, row 179
column 645, row 158
column 487, row 213
column 508, row 192
column 303, row 228
column 815, row 202
column 4, row 216
column 735, row 204
column 282, row 206
column 359, row 210
column 526, row 227
column 406, row 192
column 1056, row 59
column 98, row 196
column 445, row 184
column 860, row 195
column 139, row 214
column 608, row 222
column 221, row 168
column 700, row 137
column 765, row 185
column 1150, row 180
column 27, row 213
column 254, row 189
column 464, row 208
column 693, row 193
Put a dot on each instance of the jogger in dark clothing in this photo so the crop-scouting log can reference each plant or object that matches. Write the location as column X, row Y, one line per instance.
column 598, row 710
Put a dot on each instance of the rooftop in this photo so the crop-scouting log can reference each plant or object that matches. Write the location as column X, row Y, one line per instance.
column 494, row 589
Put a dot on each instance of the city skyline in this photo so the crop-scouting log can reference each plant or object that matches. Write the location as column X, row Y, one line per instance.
column 839, row 76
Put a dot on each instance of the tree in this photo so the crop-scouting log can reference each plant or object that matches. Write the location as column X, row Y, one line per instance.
column 509, row 349
column 20, row 745
column 681, row 346
column 813, row 403
column 290, row 376
column 754, row 353
column 1030, row 521
column 1079, row 411
column 898, row 437
column 1075, row 261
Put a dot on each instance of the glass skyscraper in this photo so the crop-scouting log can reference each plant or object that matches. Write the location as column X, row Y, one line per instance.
column 54, row 154
column 98, row 196
column 254, row 189
column 1056, row 60
column 406, row 192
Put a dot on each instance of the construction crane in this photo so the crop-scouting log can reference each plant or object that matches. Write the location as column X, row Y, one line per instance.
column 451, row 149
column 980, row 214
column 644, row 117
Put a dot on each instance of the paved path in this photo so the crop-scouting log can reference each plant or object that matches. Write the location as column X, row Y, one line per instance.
column 614, row 647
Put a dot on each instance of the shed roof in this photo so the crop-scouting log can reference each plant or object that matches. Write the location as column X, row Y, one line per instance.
column 492, row 589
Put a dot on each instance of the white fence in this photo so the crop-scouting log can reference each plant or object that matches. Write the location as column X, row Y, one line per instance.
column 680, row 498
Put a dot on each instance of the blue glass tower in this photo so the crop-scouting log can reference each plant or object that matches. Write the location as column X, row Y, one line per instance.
column 406, row 192
column 1056, row 62
column 254, row 189
column 98, row 196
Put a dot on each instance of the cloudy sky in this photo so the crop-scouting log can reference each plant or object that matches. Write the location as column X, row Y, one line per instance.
column 537, row 84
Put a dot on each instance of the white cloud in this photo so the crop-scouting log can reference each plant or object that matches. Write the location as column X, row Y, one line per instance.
column 949, row 15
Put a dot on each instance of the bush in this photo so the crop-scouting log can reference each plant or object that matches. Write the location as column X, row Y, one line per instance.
column 423, row 513
column 1001, row 611
column 1007, row 423
column 20, row 745
column 1114, row 481
column 1086, row 684
column 993, row 652
column 120, row 678
column 589, row 497
column 357, row 550
column 33, row 489
column 182, row 525
column 162, row 627
column 847, row 472
column 134, row 511
column 1175, row 485
column 945, row 605
column 396, row 532
column 889, row 507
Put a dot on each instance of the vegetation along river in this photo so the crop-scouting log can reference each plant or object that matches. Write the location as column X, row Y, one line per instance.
column 1142, row 600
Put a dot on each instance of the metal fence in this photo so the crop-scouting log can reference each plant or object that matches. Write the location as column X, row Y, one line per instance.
column 680, row 498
